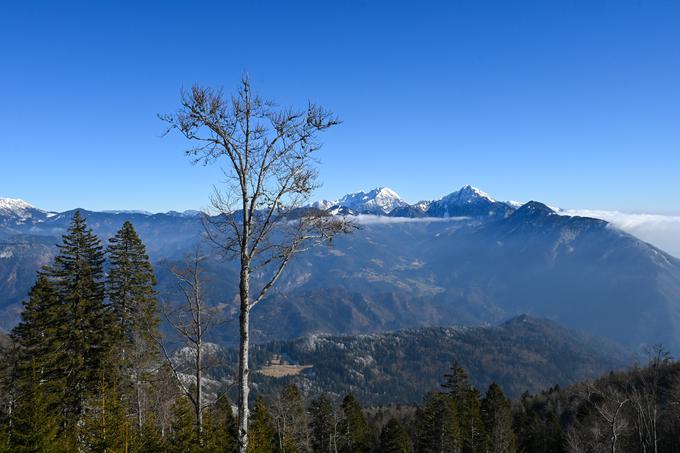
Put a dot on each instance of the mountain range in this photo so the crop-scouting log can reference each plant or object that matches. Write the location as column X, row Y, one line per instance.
column 464, row 259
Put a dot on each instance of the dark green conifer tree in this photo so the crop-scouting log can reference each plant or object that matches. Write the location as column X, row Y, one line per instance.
column 262, row 434
column 149, row 438
column 394, row 438
column 323, row 425
column 221, row 427
column 34, row 421
column 37, row 341
column 437, row 425
column 4, row 439
column 82, row 322
column 132, row 299
column 183, row 437
column 355, row 433
column 497, row 418
column 467, row 399
column 105, row 426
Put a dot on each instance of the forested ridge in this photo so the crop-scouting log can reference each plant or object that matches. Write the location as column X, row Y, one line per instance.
column 87, row 370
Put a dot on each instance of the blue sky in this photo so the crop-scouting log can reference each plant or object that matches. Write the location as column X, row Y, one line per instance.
column 575, row 103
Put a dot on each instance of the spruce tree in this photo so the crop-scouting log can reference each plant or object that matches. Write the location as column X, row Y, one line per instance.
column 355, row 433
column 105, row 426
column 221, row 428
column 183, row 437
column 261, row 425
column 81, row 320
column 394, row 438
column 4, row 439
column 149, row 438
column 497, row 418
column 37, row 339
column 437, row 425
column 132, row 299
column 35, row 423
column 322, row 424
column 467, row 399
column 130, row 287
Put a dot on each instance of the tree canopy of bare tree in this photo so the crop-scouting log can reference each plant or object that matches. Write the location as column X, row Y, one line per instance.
column 267, row 156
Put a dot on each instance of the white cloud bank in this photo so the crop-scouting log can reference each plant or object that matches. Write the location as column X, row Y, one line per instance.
column 369, row 219
column 663, row 231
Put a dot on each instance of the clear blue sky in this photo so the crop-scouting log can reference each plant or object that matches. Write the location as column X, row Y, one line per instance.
column 575, row 103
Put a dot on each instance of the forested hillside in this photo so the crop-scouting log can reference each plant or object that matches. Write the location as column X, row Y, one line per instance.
column 523, row 354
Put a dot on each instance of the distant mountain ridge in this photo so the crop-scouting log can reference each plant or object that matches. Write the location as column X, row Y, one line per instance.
column 464, row 259
column 467, row 201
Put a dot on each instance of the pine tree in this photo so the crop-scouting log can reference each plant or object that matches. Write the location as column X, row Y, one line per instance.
column 4, row 439
column 81, row 321
column 130, row 288
column 37, row 339
column 105, row 427
column 467, row 400
column 323, row 425
column 262, row 435
column 355, row 433
column 35, row 424
column 394, row 438
column 132, row 298
column 221, row 428
column 497, row 418
column 184, row 437
column 149, row 438
column 437, row 426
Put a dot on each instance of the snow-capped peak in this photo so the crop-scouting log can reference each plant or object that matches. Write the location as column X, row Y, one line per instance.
column 13, row 204
column 324, row 205
column 16, row 207
column 468, row 194
column 381, row 199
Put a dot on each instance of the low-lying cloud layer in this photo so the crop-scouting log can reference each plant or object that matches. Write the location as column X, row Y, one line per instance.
column 369, row 219
column 663, row 231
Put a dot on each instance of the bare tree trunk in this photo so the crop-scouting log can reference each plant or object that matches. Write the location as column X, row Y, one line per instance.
column 139, row 402
column 244, row 370
column 199, row 382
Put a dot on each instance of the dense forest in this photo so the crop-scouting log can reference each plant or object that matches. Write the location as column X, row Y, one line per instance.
column 87, row 370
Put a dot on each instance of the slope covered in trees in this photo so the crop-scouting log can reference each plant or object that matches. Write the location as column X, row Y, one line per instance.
column 522, row 354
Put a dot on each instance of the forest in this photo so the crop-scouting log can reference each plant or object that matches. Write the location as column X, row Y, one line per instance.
column 87, row 369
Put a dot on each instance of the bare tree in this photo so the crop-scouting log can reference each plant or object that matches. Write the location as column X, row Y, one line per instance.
column 644, row 398
column 192, row 322
column 267, row 158
column 608, row 403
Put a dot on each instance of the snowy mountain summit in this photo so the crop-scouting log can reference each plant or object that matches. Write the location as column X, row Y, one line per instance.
column 18, row 209
column 468, row 201
column 14, row 206
column 468, row 194
column 465, row 202
column 378, row 201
